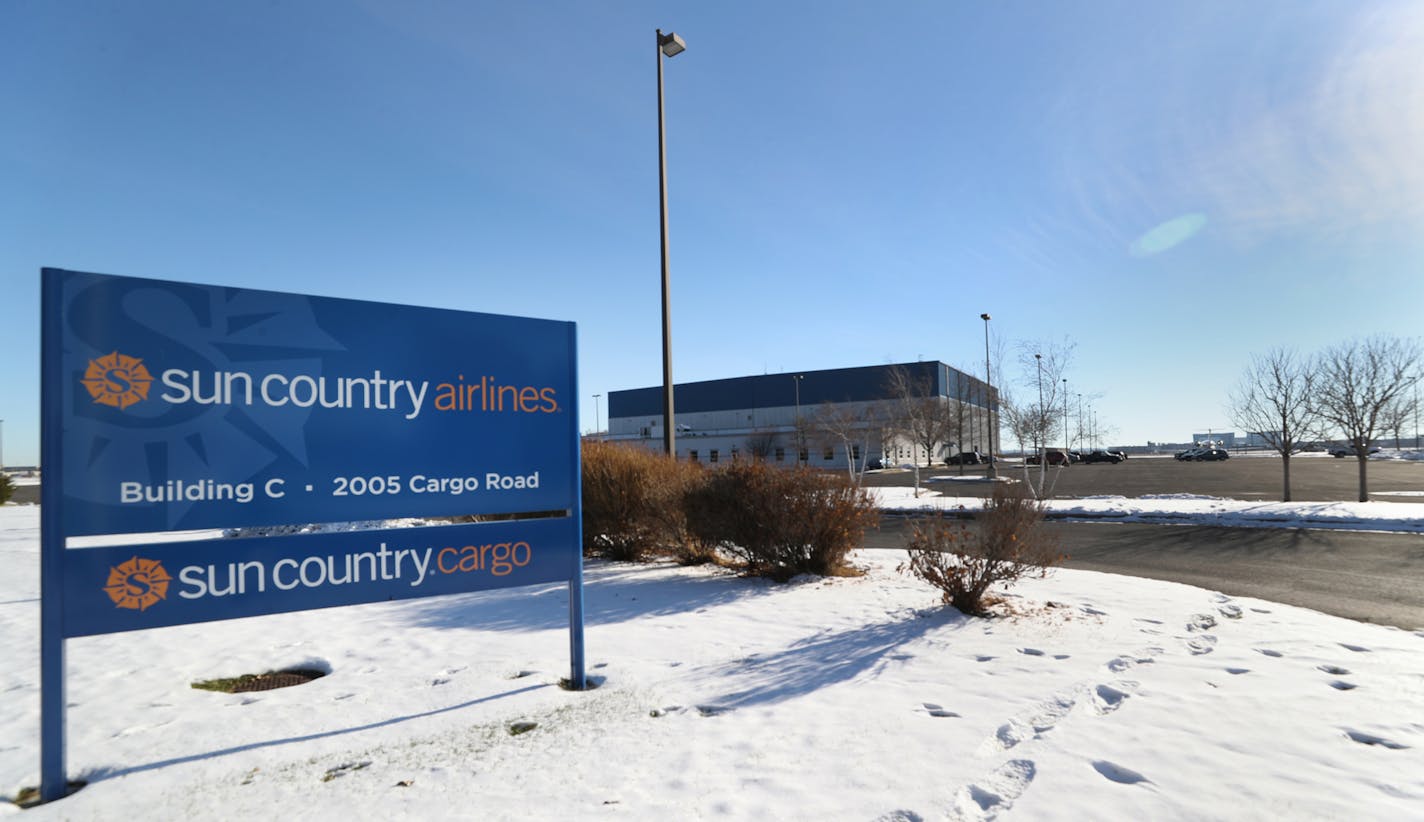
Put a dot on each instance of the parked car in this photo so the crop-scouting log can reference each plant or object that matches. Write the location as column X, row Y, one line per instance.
column 875, row 464
column 965, row 458
column 1189, row 454
column 1099, row 455
column 1122, row 454
column 1075, row 456
column 1056, row 456
column 1211, row 455
column 1349, row 451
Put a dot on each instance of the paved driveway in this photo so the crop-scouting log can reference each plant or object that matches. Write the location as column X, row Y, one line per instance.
column 1369, row 576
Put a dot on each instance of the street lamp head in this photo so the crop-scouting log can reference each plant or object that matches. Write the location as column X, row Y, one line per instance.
column 1038, row 356
column 984, row 317
column 671, row 44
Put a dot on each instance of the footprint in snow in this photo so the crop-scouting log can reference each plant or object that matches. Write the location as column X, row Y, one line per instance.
column 1270, row 652
column 1030, row 652
column 1230, row 611
column 1359, row 649
column 1091, row 611
column 986, row 798
column 1201, row 622
column 1117, row 773
column 1342, row 685
column 1238, row 671
column 900, row 815
column 1333, row 670
column 1107, row 698
column 937, row 711
column 983, row 658
column 1050, row 712
column 1370, row 739
column 1204, row 644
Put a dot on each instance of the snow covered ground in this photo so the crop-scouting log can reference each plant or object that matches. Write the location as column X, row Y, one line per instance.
column 1185, row 509
column 1101, row 697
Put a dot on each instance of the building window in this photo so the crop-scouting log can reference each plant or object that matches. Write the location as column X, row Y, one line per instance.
column 646, row 434
column 734, row 453
column 829, row 454
column 780, row 454
column 855, row 452
column 803, row 455
column 692, row 455
column 712, row 455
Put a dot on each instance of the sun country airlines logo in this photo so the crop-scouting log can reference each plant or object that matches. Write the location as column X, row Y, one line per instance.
column 137, row 584
column 117, row 379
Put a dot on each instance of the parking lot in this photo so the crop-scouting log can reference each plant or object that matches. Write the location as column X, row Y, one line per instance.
column 1313, row 478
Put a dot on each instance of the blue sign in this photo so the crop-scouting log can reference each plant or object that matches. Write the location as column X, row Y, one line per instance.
column 171, row 406
column 131, row 587
column 188, row 406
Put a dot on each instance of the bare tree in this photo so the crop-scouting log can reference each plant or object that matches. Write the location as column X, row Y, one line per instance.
column 850, row 430
column 1042, row 364
column 1275, row 399
column 920, row 410
column 761, row 443
column 1362, row 386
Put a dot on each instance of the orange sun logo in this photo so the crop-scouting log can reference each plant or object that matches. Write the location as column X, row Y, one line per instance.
column 137, row 584
column 117, row 380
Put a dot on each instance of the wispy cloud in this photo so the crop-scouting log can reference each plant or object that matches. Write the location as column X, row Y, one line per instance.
column 1343, row 156
column 1322, row 143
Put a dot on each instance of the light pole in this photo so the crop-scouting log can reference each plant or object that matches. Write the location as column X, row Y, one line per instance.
column 800, row 446
column 989, row 389
column 1041, row 424
column 597, row 425
column 1067, row 446
column 2, row 445
column 670, row 45
column 1080, row 421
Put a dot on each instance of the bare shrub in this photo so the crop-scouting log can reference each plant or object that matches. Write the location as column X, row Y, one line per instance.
column 632, row 501
column 1006, row 542
column 779, row 523
column 7, row 488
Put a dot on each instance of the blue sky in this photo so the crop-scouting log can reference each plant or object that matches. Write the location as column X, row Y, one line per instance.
column 1174, row 187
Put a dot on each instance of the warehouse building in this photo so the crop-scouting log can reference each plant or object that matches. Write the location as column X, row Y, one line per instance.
column 825, row 419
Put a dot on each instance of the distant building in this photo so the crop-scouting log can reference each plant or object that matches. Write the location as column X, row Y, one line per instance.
column 1256, row 439
column 782, row 418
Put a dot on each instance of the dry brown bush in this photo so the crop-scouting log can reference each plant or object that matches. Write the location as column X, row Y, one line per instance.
column 632, row 502
column 1006, row 542
column 778, row 522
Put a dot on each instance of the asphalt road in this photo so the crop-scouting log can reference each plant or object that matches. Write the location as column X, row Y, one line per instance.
column 1313, row 478
column 1372, row 577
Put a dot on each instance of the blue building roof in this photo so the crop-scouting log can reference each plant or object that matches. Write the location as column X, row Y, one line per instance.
column 862, row 384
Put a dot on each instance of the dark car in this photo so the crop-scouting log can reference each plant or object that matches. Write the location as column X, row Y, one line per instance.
column 1211, row 455
column 1102, row 456
column 1055, row 457
column 965, row 458
column 1120, row 453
